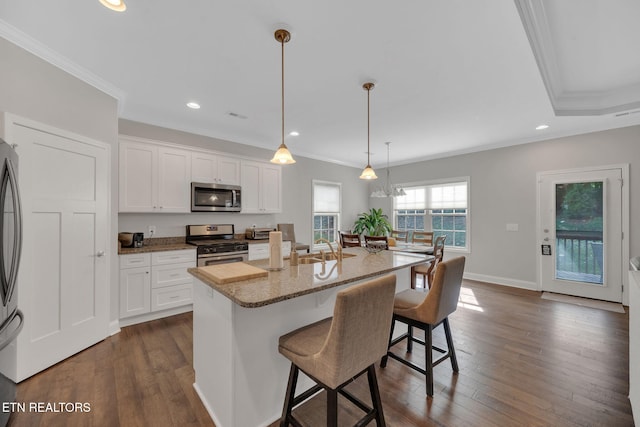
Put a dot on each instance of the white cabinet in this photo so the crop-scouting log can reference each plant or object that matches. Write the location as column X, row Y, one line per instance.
column 135, row 284
column 155, row 281
column 261, row 187
column 154, row 178
column 261, row 250
column 211, row 168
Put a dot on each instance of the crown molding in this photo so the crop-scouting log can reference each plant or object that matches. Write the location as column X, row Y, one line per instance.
column 535, row 20
column 33, row 46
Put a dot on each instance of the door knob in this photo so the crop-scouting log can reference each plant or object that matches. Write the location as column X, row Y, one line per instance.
column 100, row 254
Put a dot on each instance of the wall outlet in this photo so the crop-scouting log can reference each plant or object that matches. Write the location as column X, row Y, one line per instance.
column 512, row 227
column 152, row 230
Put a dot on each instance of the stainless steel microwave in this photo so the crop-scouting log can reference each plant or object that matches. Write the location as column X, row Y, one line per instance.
column 206, row 197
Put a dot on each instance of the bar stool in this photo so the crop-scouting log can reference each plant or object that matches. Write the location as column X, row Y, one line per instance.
column 427, row 312
column 335, row 351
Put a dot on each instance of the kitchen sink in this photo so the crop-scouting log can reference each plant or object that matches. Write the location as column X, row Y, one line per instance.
column 316, row 257
column 309, row 260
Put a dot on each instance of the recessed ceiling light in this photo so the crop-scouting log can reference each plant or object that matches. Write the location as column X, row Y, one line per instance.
column 117, row 5
column 294, row 133
column 193, row 105
column 541, row 127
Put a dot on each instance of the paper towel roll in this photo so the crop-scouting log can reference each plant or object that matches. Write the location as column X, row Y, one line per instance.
column 275, row 249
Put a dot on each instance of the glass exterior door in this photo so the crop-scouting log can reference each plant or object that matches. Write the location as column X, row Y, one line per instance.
column 580, row 235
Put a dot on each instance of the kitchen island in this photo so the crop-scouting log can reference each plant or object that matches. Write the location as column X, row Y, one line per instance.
column 239, row 374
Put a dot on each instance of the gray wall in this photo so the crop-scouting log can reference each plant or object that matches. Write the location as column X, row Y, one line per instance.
column 296, row 188
column 34, row 89
column 503, row 190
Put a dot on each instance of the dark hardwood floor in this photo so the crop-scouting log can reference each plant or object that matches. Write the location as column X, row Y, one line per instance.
column 524, row 361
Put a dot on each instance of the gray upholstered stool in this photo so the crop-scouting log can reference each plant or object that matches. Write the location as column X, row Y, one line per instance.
column 426, row 312
column 334, row 351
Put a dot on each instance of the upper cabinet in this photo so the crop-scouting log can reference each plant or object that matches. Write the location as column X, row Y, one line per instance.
column 211, row 168
column 154, row 178
column 261, row 187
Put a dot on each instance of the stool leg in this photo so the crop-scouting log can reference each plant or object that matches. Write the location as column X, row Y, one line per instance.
column 332, row 408
column 375, row 395
column 383, row 362
column 289, row 396
column 429, row 358
column 452, row 350
column 409, row 338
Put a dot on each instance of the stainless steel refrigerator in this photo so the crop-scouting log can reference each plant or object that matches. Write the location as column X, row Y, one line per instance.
column 11, row 318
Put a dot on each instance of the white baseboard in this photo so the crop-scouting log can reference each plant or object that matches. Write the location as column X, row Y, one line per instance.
column 114, row 327
column 128, row 321
column 206, row 405
column 504, row 281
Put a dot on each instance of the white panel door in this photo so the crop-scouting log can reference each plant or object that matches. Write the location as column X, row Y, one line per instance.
column 64, row 277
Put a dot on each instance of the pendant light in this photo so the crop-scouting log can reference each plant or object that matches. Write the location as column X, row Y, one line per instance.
column 368, row 172
column 282, row 156
column 389, row 190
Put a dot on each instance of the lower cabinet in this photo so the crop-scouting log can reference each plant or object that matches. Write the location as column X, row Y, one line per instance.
column 261, row 250
column 152, row 282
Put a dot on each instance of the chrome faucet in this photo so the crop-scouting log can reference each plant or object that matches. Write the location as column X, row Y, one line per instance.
column 337, row 256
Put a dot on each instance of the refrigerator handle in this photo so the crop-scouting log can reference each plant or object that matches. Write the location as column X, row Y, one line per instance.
column 16, row 331
column 17, row 239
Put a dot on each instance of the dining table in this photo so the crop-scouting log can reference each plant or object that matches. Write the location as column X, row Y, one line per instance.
column 412, row 248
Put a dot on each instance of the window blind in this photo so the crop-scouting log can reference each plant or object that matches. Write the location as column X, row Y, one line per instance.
column 326, row 197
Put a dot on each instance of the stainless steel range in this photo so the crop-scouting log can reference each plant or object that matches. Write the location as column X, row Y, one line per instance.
column 217, row 244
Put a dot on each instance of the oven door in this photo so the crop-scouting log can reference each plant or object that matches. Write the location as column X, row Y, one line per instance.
column 204, row 260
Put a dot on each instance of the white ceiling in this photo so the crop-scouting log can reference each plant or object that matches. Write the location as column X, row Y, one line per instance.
column 451, row 76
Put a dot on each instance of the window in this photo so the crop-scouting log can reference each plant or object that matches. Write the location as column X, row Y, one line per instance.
column 327, row 201
column 439, row 207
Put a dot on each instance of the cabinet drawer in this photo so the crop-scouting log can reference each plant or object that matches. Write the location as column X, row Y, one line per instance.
column 135, row 260
column 258, row 251
column 171, row 296
column 174, row 257
column 171, row 274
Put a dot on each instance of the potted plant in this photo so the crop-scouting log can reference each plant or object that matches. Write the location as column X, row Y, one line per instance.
column 373, row 223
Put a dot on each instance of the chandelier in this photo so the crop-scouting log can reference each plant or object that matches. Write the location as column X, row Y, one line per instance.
column 389, row 189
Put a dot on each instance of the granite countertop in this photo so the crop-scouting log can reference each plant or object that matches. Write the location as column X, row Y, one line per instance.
column 158, row 244
column 295, row 281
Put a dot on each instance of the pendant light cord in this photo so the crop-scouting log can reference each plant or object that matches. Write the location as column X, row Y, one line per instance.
column 368, row 128
column 282, row 86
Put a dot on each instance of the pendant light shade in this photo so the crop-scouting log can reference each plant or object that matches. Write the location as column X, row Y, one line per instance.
column 368, row 172
column 117, row 5
column 282, row 155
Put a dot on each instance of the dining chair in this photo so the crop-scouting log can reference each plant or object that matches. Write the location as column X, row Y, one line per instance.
column 288, row 234
column 350, row 240
column 335, row 351
column 382, row 241
column 400, row 235
column 422, row 238
column 426, row 312
column 427, row 270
